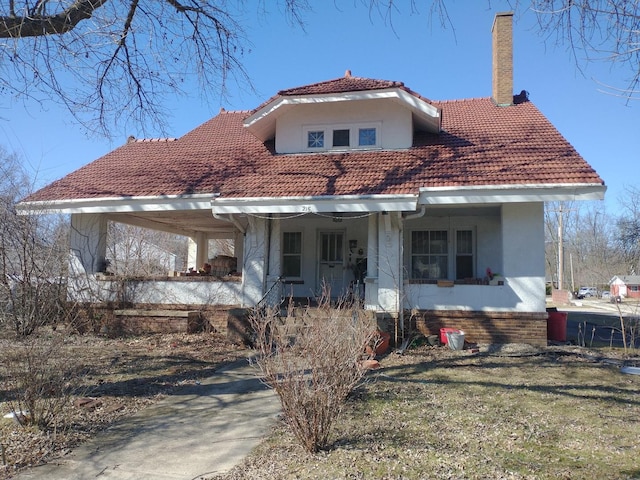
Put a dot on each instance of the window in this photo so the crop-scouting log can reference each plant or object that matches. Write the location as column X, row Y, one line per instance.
column 341, row 138
column 292, row 254
column 634, row 288
column 432, row 258
column 315, row 139
column 429, row 258
column 464, row 254
column 367, row 137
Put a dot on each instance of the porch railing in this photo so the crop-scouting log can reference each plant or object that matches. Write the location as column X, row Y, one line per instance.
column 273, row 296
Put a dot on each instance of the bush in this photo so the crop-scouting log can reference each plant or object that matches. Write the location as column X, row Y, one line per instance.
column 39, row 380
column 313, row 362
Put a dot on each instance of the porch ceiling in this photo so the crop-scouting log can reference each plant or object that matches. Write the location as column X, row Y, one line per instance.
column 178, row 222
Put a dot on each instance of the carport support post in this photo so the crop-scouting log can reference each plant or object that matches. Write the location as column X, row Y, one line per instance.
column 254, row 260
column 87, row 255
column 88, row 243
column 198, row 250
column 389, row 262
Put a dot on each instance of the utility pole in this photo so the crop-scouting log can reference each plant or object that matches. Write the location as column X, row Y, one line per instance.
column 560, row 251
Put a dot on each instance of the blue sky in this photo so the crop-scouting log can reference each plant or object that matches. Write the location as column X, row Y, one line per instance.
column 439, row 63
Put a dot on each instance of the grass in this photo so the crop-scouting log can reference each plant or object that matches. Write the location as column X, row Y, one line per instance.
column 432, row 413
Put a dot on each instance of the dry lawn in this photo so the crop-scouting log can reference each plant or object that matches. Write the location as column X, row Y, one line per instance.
column 511, row 412
column 505, row 413
column 121, row 375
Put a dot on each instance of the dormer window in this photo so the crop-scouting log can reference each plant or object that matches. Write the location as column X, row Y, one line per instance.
column 315, row 139
column 342, row 137
column 367, row 137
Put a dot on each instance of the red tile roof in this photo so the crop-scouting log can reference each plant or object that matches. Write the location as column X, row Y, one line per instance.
column 480, row 145
column 344, row 84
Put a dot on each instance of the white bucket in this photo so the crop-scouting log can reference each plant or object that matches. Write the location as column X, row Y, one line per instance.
column 455, row 340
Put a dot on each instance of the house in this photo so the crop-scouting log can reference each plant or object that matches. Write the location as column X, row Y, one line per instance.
column 625, row 286
column 429, row 207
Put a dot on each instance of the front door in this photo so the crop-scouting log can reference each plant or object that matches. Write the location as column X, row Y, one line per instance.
column 331, row 262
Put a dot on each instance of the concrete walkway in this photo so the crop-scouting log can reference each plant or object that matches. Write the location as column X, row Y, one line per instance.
column 195, row 433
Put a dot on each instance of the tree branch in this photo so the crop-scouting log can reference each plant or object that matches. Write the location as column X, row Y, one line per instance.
column 39, row 25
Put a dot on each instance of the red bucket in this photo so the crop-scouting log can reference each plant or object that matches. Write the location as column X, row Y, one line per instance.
column 443, row 334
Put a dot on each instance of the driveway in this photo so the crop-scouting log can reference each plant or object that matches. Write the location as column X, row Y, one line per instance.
column 597, row 322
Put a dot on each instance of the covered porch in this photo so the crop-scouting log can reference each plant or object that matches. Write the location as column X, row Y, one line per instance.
column 463, row 261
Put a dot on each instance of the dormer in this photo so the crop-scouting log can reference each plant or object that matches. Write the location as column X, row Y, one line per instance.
column 345, row 114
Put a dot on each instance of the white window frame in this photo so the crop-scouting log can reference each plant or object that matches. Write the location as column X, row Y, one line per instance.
column 474, row 256
column 452, row 251
column 447, row 253
column 301, row 254
column 354, row 136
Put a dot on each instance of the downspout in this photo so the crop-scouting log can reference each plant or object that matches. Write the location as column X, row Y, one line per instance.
column 267, row 261
column 419, row 214
column 401, row 275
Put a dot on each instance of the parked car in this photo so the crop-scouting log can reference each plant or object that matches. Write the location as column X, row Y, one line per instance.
column 606, row 295
column 586, row 292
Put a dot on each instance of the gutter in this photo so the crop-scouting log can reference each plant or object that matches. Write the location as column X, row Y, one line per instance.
column 419, row 214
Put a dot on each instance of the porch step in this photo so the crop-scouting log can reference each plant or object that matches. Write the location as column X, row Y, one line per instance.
column 138, row 321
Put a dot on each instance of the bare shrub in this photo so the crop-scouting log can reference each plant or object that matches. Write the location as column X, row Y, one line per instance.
column 38, row 379
column 313, row 361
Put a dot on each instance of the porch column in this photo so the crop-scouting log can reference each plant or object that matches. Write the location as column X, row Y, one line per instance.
column 238, row 247
column 389, row 262
column 88, row 242
column 275, row 251
column 523, row 231
column 371, row 281
column 87, row 252
column 198, row 250
column 253, row 265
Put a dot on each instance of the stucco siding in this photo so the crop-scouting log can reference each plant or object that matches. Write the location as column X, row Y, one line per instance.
column 394, row 121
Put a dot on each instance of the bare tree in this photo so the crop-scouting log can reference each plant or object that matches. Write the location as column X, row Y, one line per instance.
column 597, row 30
column 140, row 251
column 628, row 233
column 33, row 258
column 112, row 60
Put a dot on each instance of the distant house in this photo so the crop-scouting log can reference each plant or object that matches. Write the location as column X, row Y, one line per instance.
column 432, row 210
column 625, row 286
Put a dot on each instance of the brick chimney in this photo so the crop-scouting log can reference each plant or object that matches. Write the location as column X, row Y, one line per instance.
column 502, row 66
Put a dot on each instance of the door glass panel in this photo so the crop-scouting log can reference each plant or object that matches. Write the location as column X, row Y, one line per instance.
column 331, row 247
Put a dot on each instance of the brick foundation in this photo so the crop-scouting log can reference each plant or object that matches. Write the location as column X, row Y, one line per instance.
column 486, row 327
column 148, row 318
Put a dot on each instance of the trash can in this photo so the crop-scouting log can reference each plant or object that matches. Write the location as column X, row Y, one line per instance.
column 557, row 326
column 455, row 339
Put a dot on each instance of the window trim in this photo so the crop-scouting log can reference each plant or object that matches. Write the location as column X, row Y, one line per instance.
column 354, row 136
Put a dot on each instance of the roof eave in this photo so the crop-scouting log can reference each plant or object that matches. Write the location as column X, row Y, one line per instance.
column 511, row 193
column 118, row 204
column 262, row 122
column 315, row 204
